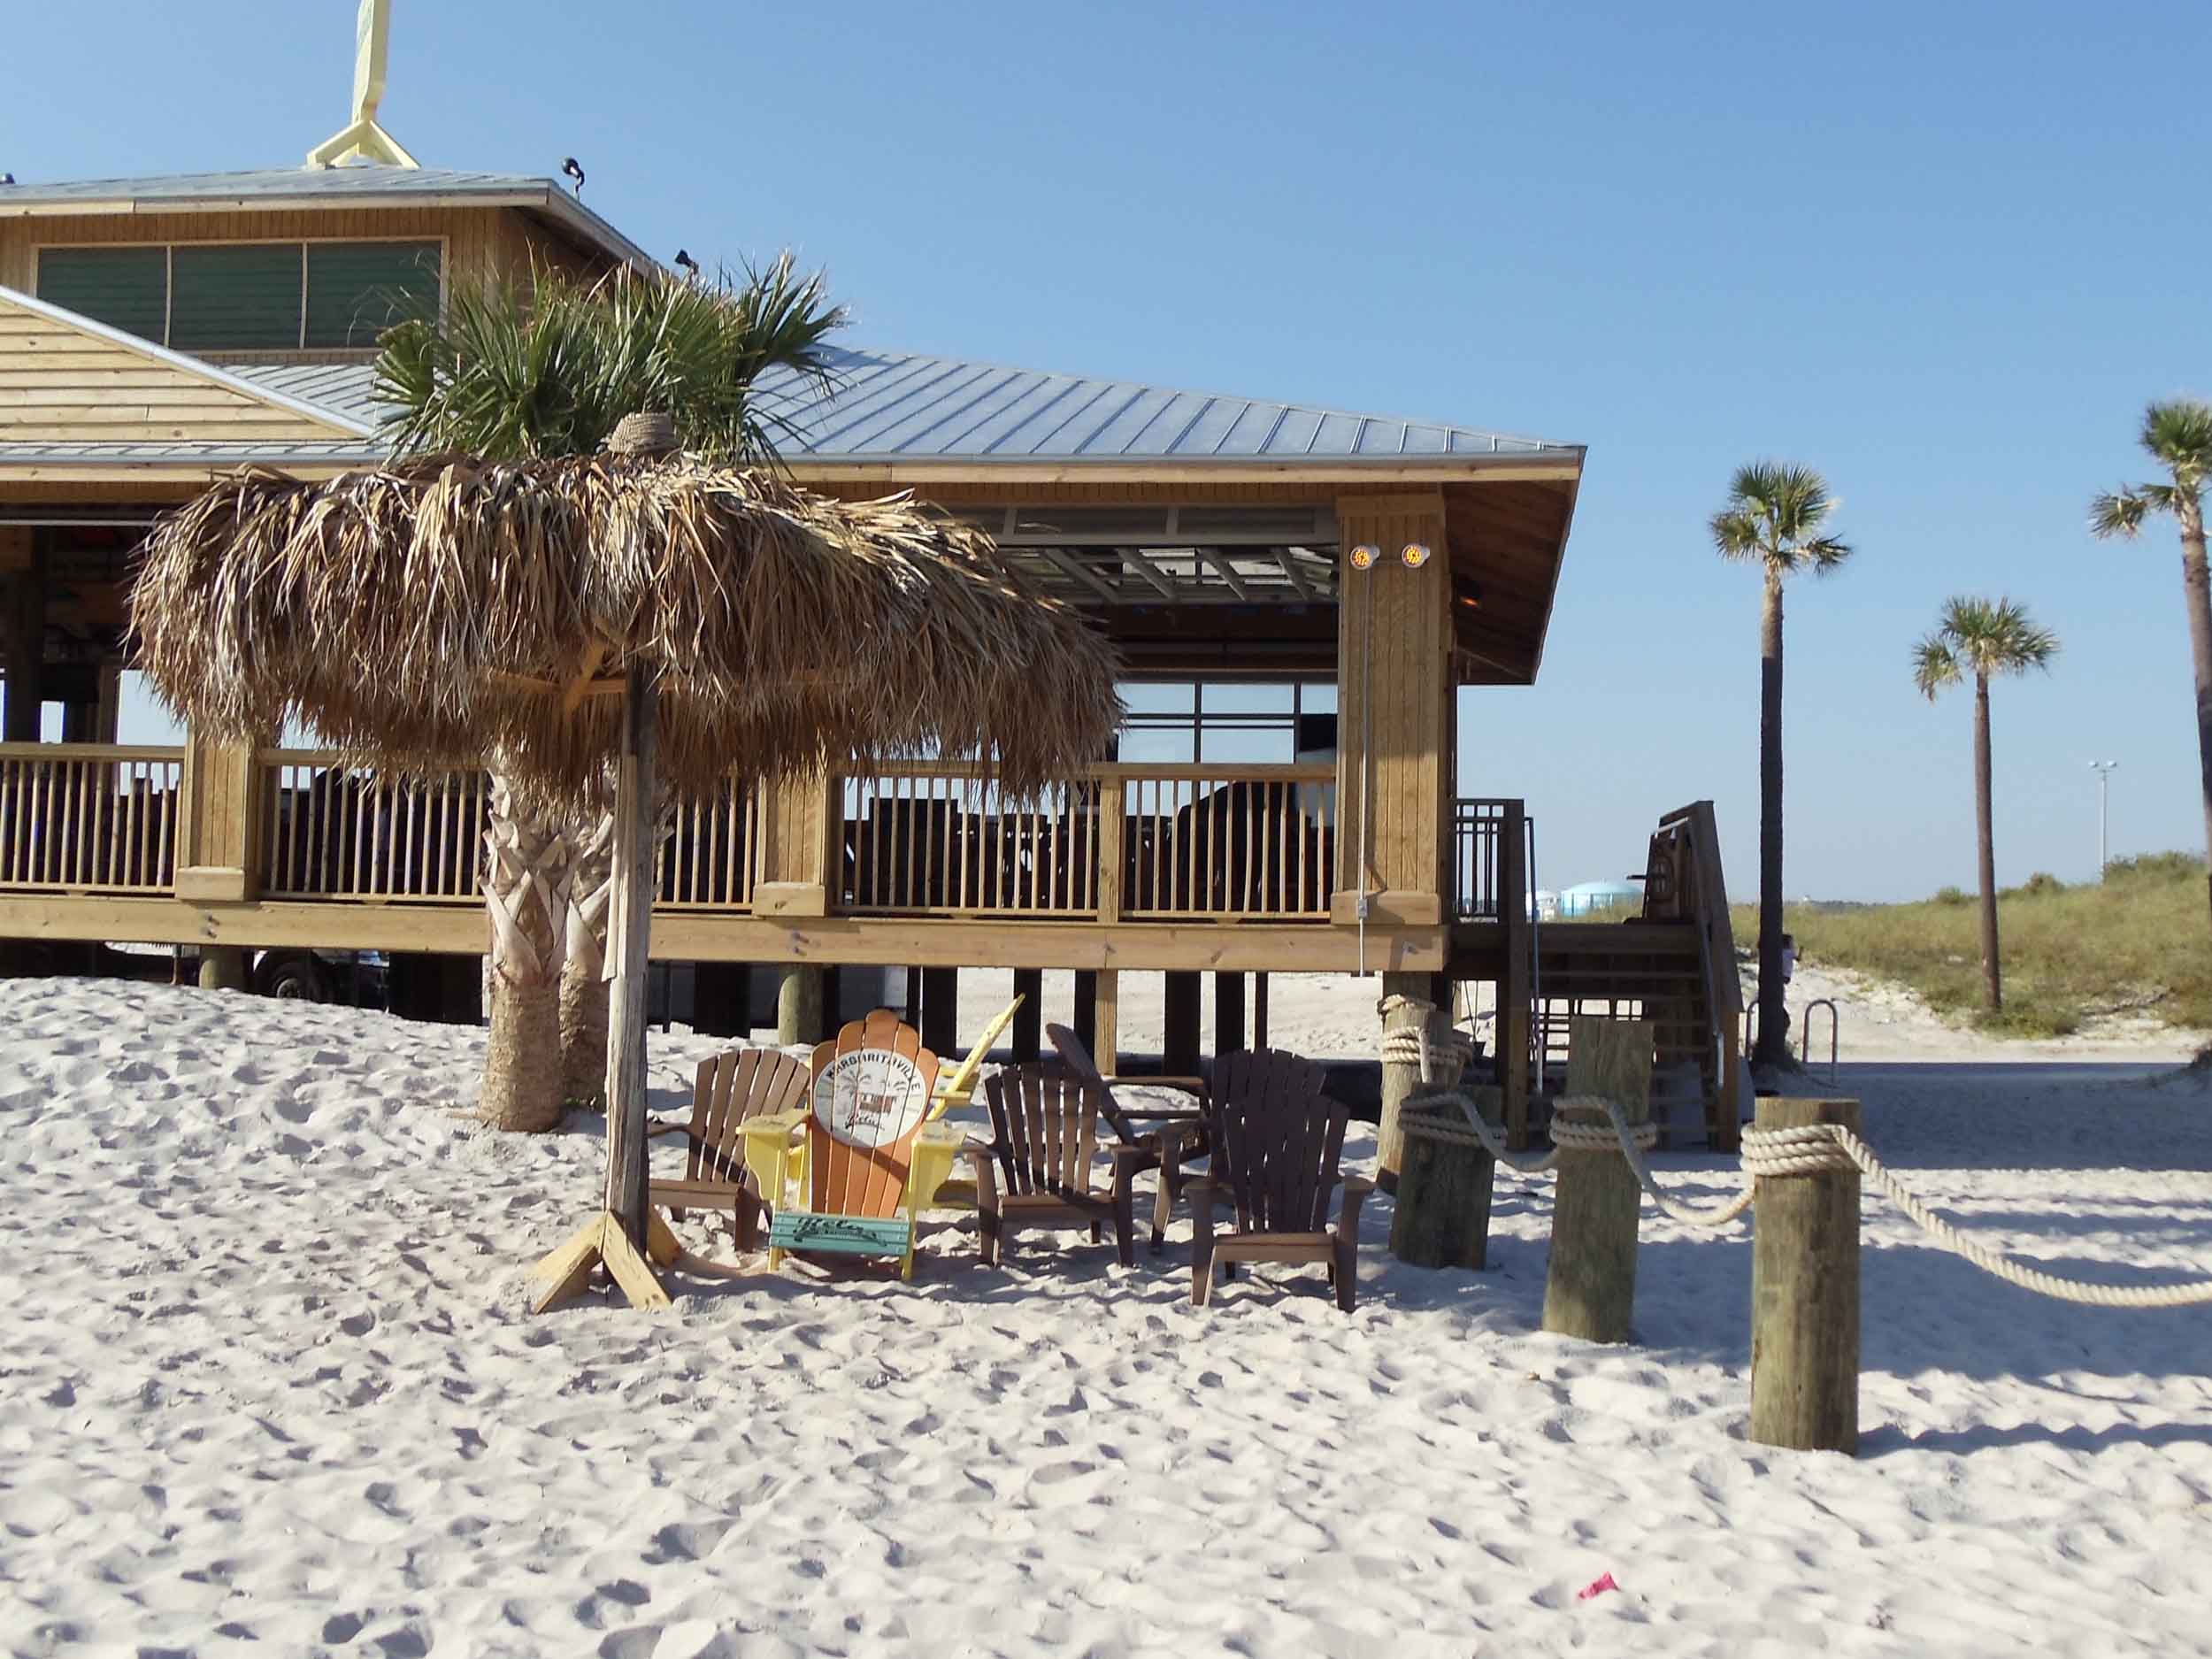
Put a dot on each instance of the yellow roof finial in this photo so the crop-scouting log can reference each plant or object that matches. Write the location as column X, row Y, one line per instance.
column 364, row 138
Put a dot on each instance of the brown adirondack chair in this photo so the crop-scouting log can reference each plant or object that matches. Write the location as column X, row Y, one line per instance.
column 1037, row 1171
column 1172, row 1135
column 731, row 1088
column 1277, row 1139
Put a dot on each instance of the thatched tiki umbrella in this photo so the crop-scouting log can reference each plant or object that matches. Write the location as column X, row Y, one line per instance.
column 667, row 620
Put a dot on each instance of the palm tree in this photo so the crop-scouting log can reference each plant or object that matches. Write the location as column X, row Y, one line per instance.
column 1984, row 638
column 543, row 367
column 1775, row 518
column 2178, row 435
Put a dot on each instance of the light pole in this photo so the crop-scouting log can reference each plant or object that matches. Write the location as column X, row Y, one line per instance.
column 2104, row 769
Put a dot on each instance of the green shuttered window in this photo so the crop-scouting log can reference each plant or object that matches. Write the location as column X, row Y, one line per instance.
column 123, row 288
column 235, row 299
column 248, row 297
column 358, row 289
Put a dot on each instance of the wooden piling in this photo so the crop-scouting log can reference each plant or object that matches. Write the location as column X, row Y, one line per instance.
column 799, row 1004
column 1590, row 1290
column 1805, row 1294
column 1401, row 1077
column 1442, row 1216
column 1029, row 985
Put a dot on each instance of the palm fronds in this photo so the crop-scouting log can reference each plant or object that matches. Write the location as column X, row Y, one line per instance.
column 428, row 613
column 1987, row 638
column 532, row 366
column 1775, row 517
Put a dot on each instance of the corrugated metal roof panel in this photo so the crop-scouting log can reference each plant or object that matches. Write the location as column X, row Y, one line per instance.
column 899, row 406
column 266, row 182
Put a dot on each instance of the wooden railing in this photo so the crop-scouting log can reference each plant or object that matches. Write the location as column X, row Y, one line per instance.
column 1121, row 842
column 330, row 830
column 91, row 817
column 711, row 856
column 1118, row 842
column 1480, row 860
column 937, row 840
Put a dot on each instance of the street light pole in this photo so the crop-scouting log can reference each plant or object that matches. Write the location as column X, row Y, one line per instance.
column 2104, row 769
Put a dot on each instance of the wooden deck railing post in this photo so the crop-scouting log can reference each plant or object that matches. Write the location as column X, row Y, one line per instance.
column 1515, row 1065
column 220, row 836
column 1113, row 821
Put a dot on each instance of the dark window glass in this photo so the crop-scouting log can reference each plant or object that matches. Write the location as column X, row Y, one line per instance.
column 244, row 298
column 358, row 289
column 123, row 288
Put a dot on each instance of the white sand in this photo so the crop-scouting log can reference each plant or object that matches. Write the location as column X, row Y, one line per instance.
column 267, row 1387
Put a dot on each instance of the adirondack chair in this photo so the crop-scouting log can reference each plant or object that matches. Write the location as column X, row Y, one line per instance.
column 1277, row 1139
column 1037, row 1171
column 937, row 1150
column 1172, row 1135
column 869, row 1092
column 732, row 1089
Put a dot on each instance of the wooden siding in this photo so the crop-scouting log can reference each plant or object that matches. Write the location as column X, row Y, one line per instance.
column 1393, row 698
column 58, row 383
column 478, row 239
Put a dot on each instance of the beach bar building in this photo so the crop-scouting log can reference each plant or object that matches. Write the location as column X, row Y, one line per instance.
column 1300, row 596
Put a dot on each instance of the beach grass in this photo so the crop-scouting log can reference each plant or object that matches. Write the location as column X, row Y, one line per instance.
column 2138, row 941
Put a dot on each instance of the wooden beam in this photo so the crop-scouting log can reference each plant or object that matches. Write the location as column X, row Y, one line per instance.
column 694, row 936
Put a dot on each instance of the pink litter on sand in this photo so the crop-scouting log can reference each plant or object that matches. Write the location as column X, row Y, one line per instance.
column 1596, row 1587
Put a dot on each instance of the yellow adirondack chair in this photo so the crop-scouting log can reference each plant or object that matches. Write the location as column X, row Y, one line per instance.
column 869, row 1092
column 936, row 1149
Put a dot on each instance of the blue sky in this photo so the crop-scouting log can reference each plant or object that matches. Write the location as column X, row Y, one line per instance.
column 1943, row 253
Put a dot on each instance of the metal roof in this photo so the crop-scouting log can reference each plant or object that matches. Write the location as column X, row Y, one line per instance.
column 898, row 405
column 895, row 405
column 332, row 186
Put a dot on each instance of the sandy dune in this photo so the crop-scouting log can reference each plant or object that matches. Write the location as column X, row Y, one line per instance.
column 267, row 1387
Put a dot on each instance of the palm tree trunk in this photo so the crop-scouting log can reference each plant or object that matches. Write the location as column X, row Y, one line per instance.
column 1773, row 1046
column 527, row 878
column 583, row 977
column 2197, row 596
column 1993, row 986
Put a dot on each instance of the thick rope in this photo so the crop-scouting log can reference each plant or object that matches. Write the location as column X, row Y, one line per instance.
column 1857, row 1152
column 1772, row 1154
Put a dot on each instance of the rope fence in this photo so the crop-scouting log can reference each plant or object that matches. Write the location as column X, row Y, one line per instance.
column 1772, row 1154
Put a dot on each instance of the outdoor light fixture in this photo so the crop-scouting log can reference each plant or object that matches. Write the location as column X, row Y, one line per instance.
column 1364, row 555
column 1416, row 553
column 1466, row 593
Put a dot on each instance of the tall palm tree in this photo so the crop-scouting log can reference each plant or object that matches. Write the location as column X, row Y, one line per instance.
column 540, row 366
column 1775, row 518
column 1984, row 637
column 2178, row 435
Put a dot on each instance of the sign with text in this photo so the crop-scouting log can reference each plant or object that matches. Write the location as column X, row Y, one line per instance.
column 869, row 1097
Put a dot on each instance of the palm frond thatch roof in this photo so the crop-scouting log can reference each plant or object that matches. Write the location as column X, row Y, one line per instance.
column 439, row 611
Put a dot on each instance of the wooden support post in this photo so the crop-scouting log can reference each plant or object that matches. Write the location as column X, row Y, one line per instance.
column 1519, row 1074
column 1106, row 1040
column 1029, row 1019
column 26, row 638
column 628, row 943
column 1180, row 1009
column 941, row 1009
column 222, row 968
column 1596, row 1204
column 1259, row 1011
column 1442, row 1216
column 1086, row 1019
column 108, row 713
column 1401, row 1077
column 1228, row 1013
column 799, row 1004
column 1805, row 1294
